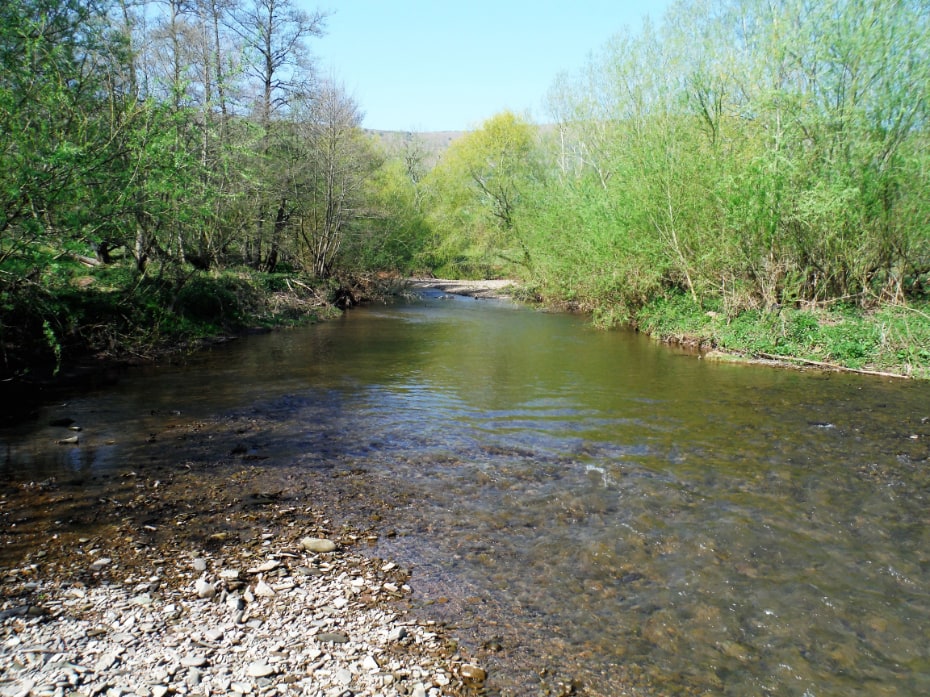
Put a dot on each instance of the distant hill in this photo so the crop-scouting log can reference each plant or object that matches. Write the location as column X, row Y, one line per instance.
column 438, row 140
column 433, row 142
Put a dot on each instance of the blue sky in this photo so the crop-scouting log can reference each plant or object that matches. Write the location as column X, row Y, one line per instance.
column 433, row 65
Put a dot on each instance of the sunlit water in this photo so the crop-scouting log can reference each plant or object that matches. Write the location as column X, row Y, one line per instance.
column 587, row 506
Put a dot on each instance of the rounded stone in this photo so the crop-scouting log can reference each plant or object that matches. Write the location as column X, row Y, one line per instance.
column 473, row 673
column 318, row 545
column 259, row 669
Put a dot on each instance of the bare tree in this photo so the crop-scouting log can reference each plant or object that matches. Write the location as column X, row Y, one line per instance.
column 274, row 33
column 342, row 161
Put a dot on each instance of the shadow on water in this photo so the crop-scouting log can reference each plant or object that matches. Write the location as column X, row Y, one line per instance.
column 582, row 508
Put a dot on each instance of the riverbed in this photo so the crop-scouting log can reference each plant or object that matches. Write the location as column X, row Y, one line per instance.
column 583, row 511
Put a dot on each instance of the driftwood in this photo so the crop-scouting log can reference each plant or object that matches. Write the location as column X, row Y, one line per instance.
column 831, row 366
column 87, row 261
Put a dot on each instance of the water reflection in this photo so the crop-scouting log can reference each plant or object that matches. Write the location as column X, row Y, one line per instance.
column 586, row 502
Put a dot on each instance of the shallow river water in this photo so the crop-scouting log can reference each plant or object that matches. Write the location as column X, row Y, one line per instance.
column 585, row 507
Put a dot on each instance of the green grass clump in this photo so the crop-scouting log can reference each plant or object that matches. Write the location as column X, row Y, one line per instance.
column 887, row 337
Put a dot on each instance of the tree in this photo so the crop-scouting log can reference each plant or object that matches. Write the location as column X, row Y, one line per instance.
column 749, row 151
column 342, row 160
column 476, row 188
column 57, row 138
column 274, row 35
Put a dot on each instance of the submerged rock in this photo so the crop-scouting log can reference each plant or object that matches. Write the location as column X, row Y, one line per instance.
column 473, row 673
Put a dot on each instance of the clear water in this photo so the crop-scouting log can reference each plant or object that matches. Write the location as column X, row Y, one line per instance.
column 587, row 507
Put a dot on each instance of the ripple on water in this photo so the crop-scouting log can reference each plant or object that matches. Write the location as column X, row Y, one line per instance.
column 596, row 512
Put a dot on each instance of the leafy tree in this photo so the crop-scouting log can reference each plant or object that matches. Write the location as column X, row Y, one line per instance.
column 751, row 151
column 394, row 231
column 274, row 35
column 476, row 189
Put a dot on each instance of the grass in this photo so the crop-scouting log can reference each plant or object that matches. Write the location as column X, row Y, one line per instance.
column 886, row 337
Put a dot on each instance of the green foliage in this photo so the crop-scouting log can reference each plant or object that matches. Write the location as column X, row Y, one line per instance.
column 143, row 160
column 53, row 344
column 208, row 299
column 113, row 311
column 474, row 196
column 755, row 153
column 395, row 232
column 891, row 337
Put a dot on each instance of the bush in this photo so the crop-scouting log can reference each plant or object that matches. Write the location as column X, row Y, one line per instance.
column 211, row 299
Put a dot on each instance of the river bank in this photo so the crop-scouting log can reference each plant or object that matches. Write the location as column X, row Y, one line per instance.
column 153, row 582
column 86, row 333
column 489, row 289
column 885, row 341
column 888, row 340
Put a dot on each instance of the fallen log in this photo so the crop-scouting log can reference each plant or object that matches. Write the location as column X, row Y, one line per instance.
column 830, row 366
column 87, row 261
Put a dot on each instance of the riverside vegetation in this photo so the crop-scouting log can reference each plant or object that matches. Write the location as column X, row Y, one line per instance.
column 747, row 175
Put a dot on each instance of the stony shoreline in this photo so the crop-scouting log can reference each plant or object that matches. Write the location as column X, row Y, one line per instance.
column 206, row 573
column 287, row 621
column 497, row 289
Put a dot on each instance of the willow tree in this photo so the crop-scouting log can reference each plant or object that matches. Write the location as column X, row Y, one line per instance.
column 827, row 113
column 752, row 151
column 476, row 190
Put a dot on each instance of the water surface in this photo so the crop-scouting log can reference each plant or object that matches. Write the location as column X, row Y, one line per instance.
column 586, row 507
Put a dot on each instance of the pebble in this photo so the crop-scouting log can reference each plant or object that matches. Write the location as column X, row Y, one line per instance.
column 259, row 669
column 318, row 545
column 269, row 565
column 204, row 589
column 263, row 590
column 473, row 673
column 194, row 661
column 100, row 564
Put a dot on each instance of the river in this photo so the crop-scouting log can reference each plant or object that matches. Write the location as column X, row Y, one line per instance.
column 580, row 507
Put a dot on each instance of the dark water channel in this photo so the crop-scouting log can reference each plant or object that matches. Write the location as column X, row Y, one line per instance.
column 589, row 507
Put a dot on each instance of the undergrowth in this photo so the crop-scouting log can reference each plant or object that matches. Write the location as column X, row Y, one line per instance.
column 884, row 337
column 112, row 312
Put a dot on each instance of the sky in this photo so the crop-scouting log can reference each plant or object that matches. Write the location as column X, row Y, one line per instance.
column 440, row 65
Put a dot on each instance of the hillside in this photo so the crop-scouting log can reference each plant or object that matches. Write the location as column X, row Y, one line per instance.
column 433, row 143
